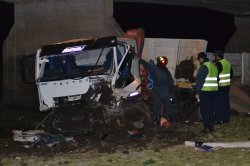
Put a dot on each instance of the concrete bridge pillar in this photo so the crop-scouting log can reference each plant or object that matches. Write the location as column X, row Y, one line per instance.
column 239, row 42
column 37, row 23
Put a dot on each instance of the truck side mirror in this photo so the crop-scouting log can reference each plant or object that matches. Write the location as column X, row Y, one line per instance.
column 27, row 69
column 125, row 76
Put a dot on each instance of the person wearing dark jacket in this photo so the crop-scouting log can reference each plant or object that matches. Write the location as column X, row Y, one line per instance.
column 225, row 75
column 206, row 91
column 162, row 82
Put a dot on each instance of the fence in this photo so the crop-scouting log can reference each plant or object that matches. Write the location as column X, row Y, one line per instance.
column 235, row 60
column 176, row 50
column 179, row 49
column 245, row 77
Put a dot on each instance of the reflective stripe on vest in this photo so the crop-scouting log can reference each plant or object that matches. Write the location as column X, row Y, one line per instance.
column 211, row 83
column 225, row 74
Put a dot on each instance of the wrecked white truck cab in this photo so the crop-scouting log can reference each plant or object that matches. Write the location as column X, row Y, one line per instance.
column 71, row 72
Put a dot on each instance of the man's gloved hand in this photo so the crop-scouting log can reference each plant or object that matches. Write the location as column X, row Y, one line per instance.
column 151, row 61
column 197, row 96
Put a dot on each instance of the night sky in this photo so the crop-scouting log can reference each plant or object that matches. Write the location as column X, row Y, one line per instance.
column 162, row 21
column 7, row 19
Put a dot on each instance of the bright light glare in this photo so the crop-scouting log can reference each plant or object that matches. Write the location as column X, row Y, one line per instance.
column 133, row 94
column 73, row 49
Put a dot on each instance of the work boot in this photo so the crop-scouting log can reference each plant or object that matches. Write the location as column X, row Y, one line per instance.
column 211, row 128
column 157, row 120
column 222, row 122
column 157, row 123
column 170, row 116
column 207, row 130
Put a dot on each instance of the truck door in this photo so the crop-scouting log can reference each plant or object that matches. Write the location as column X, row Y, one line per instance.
column 123, row 75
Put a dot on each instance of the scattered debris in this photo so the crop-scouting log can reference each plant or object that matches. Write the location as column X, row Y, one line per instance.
column 26, row 136
column 135, row 134
column 91, row 132
column 50, row 140
column 39, row 136
column 206, row 148
column 244, row 144
column 18, row 158
column 165, row 123
column 104, row 136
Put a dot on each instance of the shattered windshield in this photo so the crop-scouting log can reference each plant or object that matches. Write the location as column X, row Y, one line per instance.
column 76, row 65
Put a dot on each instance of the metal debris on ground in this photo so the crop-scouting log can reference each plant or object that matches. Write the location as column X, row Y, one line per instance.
column 205, row 148
column 165, row 123
column 135, row 134
column 50, row 140
column 26, row 136
column 242, row 144
column 39, row 136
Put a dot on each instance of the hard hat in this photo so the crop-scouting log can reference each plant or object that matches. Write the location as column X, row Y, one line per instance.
column 162, row 60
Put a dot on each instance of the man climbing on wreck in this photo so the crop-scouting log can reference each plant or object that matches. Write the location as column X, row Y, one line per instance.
column 162, row 82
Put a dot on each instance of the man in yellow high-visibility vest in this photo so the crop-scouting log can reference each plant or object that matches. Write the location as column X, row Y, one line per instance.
column 224, row 79
column 206, row 91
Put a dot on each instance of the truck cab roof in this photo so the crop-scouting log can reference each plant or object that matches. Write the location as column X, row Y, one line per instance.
column 79, row 45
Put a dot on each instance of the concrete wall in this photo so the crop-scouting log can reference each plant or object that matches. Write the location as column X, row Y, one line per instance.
column 45, row 22
column 240, row 40
column 235, row 60
column 176, row 50
column 245, row 78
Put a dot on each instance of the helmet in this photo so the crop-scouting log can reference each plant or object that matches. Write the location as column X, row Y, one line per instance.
column 162, row 60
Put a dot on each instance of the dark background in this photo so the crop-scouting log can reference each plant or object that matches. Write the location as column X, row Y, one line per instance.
column 7, row 21
column 160, row 21
column 163, row 21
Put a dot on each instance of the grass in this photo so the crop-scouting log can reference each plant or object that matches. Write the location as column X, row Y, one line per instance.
column 176, row 155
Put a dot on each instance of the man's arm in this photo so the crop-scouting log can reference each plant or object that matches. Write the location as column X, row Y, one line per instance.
column 231, row 72
column 145, row 64
column 171, row 80
column 219, row 67
column 200, row 78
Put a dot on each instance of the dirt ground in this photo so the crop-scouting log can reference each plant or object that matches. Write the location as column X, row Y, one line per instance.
column 88, row 134
column 98, row 142
column 246, row 89
column 92, row 136
column 90, row 147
